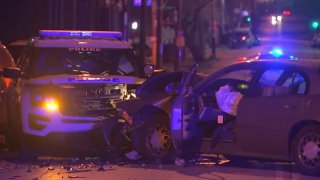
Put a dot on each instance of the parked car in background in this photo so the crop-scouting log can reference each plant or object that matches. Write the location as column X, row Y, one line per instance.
column 8, row 99
column 15, row 48
column 316, row 39
column 71, row 79
column 277, row 117
column 243, row 37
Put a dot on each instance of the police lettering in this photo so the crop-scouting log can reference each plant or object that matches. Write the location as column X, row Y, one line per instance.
column 85, row 49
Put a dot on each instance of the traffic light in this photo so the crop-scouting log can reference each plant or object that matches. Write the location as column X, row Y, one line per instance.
column 315, row 24
column 248, row 19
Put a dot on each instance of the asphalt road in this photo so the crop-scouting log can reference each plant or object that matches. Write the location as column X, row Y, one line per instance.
column 57, row 168
column 93, row 169
column 225, row 56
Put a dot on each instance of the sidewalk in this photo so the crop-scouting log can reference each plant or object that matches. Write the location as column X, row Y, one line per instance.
column 224, row 57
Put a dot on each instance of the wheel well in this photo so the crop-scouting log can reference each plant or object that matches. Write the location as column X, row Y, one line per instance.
column 295, row 129
column 153, row 110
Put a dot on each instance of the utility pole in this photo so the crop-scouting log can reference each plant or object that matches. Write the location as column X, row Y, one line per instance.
column 154, row 33
column 223, row 23
column 74, row 14
column 143, row 30
column 180, row 42
column 61, row 14
column 125, row 20
column 213, row 26
column 159, row 34
column 50, row 15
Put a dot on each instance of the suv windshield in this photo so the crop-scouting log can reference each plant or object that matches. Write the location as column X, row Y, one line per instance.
column 51, row 61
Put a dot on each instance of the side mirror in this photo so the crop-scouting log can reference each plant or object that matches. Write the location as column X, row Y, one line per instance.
column 11, row 72
column 173, row 88
column 148, row 69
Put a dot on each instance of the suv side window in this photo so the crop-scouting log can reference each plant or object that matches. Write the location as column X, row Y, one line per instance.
column 279, row 82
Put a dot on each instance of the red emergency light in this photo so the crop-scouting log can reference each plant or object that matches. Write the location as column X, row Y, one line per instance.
column 288, row 13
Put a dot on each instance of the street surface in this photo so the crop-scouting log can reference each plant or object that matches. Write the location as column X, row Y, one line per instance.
column 58, row 168
column 92, row 169
column 225, row 56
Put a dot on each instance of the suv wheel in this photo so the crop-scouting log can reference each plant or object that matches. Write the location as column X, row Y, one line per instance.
column 27, row 150
column 117, row 142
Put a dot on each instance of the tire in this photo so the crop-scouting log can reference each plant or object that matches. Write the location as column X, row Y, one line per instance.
column 14, row 134
column 153, row 139
column 13, row 139
column 27, row 151
column 306, row 150
column 14, row 131
column 117, row 143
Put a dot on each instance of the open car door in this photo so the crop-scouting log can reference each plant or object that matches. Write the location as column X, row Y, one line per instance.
column 183, row 126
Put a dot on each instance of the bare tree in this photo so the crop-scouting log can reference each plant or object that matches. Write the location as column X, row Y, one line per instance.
column 197, row 29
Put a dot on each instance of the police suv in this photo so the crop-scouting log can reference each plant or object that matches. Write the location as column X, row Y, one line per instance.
column 71, row 78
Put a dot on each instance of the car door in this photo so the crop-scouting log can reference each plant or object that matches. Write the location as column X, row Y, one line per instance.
column 5, row 61
column 264, row 116
column 182, row 131
column 3, row 104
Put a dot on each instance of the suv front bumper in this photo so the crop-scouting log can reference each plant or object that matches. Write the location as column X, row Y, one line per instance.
column 38, row 121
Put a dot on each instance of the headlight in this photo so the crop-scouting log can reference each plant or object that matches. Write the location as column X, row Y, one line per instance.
column 44, row 97
column 51, row 105
column 47, row 102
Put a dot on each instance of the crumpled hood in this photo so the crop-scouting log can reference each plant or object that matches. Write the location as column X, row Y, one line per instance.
column 85, row 79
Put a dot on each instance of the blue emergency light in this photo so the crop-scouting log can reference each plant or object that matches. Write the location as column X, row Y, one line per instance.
column 277, row 52
column 94, row 34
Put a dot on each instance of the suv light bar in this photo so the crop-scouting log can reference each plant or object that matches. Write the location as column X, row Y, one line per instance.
column 96, row 34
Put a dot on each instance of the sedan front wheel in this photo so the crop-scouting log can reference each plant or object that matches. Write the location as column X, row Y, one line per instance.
column 153, row 139
column 306, row 150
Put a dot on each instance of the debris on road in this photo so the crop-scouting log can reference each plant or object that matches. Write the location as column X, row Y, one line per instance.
column 76, row 170
column 180, row 162
column 76, row 177
column 133, row 155
column 101, row 168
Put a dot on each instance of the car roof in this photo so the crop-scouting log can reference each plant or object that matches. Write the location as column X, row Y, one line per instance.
column 20, row 42
column 310, row 64
column 270, row 56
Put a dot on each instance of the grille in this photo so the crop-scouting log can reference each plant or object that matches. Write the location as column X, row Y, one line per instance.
column 90, row 100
